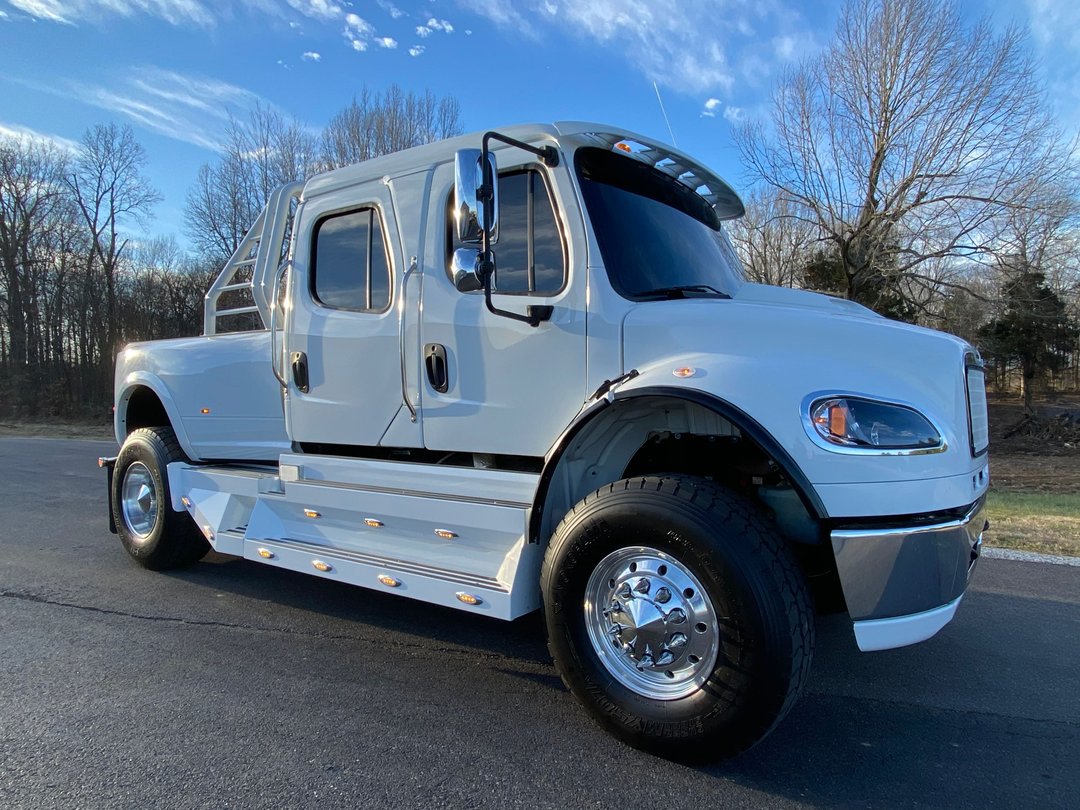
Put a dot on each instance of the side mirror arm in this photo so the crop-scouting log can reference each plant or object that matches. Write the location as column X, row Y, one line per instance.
column 485, row 265
column 536, row 314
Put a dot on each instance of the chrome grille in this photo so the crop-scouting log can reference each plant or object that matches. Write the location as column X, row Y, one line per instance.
column 976, row 395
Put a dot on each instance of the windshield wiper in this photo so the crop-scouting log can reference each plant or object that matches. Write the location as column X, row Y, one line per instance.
column 681, row 291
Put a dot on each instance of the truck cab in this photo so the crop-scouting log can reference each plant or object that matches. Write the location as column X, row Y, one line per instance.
column 522, row 370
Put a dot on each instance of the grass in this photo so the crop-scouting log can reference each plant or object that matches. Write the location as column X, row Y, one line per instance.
column 1048, row 523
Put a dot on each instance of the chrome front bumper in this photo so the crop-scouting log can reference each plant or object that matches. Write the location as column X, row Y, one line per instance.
column 904, row 584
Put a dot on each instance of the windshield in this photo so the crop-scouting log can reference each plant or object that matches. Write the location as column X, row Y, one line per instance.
column 658, row 238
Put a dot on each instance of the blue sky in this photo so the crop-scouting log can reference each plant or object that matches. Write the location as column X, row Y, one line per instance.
column 175, row 69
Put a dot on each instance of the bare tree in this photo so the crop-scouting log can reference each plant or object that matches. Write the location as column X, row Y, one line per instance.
column 107, row 186
column 32, row 208
column 906, row 139
column 377, row 124
column 30, row 174
column 163, row 292
column 265, row 150
column 259, row 154
column 773, row 239
column 1044, row 237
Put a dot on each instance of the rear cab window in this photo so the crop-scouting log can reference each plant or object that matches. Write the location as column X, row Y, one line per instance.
column 350, row 264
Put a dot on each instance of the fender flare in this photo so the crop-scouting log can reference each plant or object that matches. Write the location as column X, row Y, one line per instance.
column 746, row 424
column 144, row 379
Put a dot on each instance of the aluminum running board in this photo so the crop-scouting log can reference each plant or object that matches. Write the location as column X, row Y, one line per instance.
column 450, row 536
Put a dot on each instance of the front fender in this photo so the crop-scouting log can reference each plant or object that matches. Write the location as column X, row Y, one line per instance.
column 662, row 381
column 127, row 386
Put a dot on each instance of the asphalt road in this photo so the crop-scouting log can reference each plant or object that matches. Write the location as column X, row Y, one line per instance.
column 238, row 685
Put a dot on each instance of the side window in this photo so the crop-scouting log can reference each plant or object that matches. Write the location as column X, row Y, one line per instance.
column 350, row 269
column 529, row 256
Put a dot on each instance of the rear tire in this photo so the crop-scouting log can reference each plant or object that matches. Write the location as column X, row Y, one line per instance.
column 157, row 537
column 677, row 616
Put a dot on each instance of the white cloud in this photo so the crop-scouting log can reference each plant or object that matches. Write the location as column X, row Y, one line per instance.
column 187, row 107
column 283, row 64
column 1055, row 28
column 387, row 42
column 42, row 9
column 311, row 56
column 502, row 13
column 734, row 115
column 210, row 96
column 1053, row 20
column 358, row 31
column 691, row 47
column 176, row 12
column 317, row 9
column 433, row 25
column 394, row 12
column 20, row 132
column 416, row 50
column 711, row 105
column 3, row 14
column 784, row 47
column 293, row 24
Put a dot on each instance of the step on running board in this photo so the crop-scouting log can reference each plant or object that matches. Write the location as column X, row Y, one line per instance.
column 454, row 538
column 427, row 583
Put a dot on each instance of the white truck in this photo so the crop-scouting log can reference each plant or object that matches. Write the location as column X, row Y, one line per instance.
column 547, row 385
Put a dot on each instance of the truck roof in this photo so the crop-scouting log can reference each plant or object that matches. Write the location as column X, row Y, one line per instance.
column 666, row 158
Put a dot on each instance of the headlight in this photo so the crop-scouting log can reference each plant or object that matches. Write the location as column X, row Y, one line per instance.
column 854, row 423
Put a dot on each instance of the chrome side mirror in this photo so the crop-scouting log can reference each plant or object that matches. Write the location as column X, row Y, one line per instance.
column 468, row 207
column 463, row 270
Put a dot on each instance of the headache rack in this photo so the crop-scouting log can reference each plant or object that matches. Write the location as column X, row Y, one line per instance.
column 252, row 267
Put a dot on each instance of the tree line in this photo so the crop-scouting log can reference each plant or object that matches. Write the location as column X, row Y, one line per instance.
column 76, row 284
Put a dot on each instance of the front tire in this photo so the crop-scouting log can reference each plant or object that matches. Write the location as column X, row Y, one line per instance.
column 157, row 537
column 677, row 616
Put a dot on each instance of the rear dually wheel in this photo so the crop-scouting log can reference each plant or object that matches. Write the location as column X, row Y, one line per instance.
column 157, row 537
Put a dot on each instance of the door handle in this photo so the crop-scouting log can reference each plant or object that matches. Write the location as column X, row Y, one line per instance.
column 438, row 371
column 300, row 371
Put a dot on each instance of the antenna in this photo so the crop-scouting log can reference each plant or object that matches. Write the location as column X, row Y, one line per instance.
column 662, row 110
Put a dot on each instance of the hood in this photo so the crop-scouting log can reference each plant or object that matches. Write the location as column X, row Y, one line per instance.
column 769, row 351
column 786, row 296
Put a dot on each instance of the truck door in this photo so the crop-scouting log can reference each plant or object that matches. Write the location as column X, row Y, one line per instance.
column 342, row 356
column 510, row 388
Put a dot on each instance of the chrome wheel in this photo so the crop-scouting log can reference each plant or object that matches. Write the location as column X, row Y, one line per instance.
column 139, row 500
column 651, row 623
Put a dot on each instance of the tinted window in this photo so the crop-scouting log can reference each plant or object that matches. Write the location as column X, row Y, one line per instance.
column 350, row 269
column 529, row 255
column 658, row 238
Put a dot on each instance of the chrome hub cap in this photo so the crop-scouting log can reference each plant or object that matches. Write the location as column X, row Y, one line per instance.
column 139, row 500
column 651, row 623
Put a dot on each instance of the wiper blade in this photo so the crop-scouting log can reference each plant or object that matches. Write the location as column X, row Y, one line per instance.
column 680, row 291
